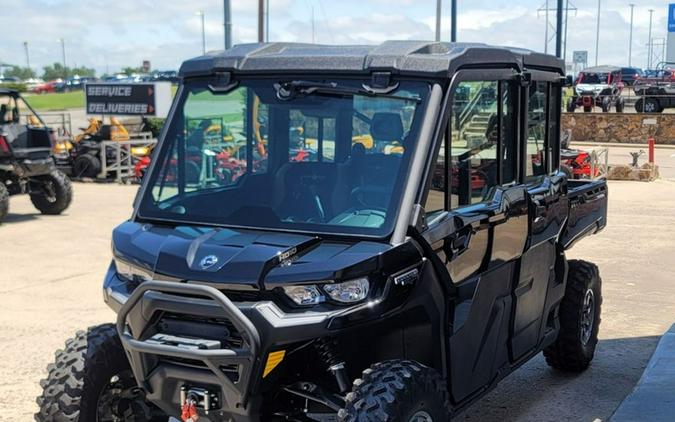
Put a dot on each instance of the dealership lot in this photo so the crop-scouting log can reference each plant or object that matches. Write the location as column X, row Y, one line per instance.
column 52, row 268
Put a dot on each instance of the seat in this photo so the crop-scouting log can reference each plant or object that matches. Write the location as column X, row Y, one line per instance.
column 386, row 128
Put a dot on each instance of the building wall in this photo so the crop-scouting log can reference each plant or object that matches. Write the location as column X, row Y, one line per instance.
column 627, row 128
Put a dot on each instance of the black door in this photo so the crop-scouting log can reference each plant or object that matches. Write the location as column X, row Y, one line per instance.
column 477, row 213
column 538, row 289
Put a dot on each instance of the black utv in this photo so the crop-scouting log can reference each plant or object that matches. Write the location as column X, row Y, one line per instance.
column 26, row 163
column 394, row 265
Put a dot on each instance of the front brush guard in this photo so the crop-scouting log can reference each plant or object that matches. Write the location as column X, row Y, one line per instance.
column 235, row 393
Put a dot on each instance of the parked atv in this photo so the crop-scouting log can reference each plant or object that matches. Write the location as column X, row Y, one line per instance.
column 599, row 86
column 26, row 164
column 352, row 283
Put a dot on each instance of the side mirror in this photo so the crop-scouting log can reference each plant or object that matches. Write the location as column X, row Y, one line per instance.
column 569, row 81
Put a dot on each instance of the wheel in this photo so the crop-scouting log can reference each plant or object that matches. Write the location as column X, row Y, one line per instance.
column 588, row 109
column 397, row 390
column 579, row 317
column 4, row 201
column 569, row 173
column 651, row 105
column 571, row 105
column 55, row 195
column 639, row 105
column 91, row 381
column 606, row 105
column 86, row 165
column 619, row 105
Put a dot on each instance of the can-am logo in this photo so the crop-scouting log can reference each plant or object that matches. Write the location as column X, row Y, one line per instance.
column 208, row 261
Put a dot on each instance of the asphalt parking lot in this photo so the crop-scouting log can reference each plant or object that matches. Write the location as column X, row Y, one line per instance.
column 51, row 270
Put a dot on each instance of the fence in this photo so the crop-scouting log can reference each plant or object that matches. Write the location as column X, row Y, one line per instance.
column 121, row 156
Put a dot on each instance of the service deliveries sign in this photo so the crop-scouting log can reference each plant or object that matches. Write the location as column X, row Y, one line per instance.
column 133, row 99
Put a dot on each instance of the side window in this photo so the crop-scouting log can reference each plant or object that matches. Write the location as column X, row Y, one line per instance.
column 553, row 146
column 482, row 148
column 473, row 143
column 536, row 145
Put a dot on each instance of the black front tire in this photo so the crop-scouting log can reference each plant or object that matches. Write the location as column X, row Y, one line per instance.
column 4, row 201
column 55, row 194
column 620, row 105
column 571, row 105
column 574, row 348
column 86, row 165
column 83, row 375
column 397, row 390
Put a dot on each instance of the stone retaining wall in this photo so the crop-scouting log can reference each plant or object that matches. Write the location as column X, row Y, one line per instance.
column 626, row 128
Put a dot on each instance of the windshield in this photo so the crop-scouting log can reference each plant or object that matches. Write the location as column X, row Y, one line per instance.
column 593, row 78
column 312, row 156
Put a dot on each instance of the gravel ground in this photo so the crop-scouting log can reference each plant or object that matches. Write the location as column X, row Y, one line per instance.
column 51, row 270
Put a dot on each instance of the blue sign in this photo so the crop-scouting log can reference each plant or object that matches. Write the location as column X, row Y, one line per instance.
column 671, row 18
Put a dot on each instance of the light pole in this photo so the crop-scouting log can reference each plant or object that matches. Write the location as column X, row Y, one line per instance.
column 438, row 20
column 201, row 14
column 453, row 21
column 227, row 12
column 649, row 45
column 63, row 57
column 597, row 36
column 25, row 47
column 630, row 38
column 267, row 20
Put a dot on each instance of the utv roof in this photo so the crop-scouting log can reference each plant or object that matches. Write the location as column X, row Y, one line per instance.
column 7, row 91
column 414, row 58
column 601, row 69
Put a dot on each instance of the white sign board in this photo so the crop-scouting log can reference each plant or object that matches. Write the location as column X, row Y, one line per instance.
column 580, row 57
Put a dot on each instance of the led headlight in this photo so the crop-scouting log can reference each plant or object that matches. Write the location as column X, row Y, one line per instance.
column 304, row 295
column 131, row 272
column 349, row 291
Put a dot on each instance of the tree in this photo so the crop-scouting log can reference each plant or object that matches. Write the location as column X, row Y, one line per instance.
column 22, row 73
column 129, row 70
column 57, row 71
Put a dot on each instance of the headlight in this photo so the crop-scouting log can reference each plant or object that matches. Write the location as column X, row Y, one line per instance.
column 349, row 291
column 131, row 272
column 304, row 295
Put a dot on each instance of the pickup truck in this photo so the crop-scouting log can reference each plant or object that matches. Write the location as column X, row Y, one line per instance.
column 413, row 258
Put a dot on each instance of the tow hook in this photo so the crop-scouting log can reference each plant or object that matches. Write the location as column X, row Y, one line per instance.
column 193, row 398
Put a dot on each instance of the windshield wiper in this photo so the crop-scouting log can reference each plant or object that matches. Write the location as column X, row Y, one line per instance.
column 293, row 89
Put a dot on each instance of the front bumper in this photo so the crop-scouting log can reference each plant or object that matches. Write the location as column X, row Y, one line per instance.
column 163, row 370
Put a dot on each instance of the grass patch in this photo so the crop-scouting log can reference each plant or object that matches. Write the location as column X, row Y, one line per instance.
column 56, row 101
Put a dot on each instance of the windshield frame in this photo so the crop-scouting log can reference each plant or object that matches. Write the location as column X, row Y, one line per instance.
column 350, row 232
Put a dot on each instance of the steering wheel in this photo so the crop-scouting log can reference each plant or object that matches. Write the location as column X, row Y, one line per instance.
column 359, row 193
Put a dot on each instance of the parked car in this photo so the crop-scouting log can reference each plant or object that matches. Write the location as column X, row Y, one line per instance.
column 341, row 286
column 77, row 83
column 47, row 87
column 630, row 74
column 166, row 75
column 599, row 86
column 9, row 80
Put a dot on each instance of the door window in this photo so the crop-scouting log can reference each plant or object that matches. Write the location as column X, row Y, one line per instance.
column 482, row 147
column 536, row 160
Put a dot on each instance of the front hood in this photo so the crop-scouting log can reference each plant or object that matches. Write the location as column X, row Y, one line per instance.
column 596, row 88
column 247, row 258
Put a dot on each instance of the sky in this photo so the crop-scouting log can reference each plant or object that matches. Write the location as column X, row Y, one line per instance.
column 110, row 34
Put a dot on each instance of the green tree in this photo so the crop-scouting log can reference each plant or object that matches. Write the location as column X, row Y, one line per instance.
column 54, row 71
column 57, row 71
column 130, row 70
column 22, row 73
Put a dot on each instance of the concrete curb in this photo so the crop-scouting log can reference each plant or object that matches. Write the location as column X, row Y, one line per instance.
column 653, row 398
